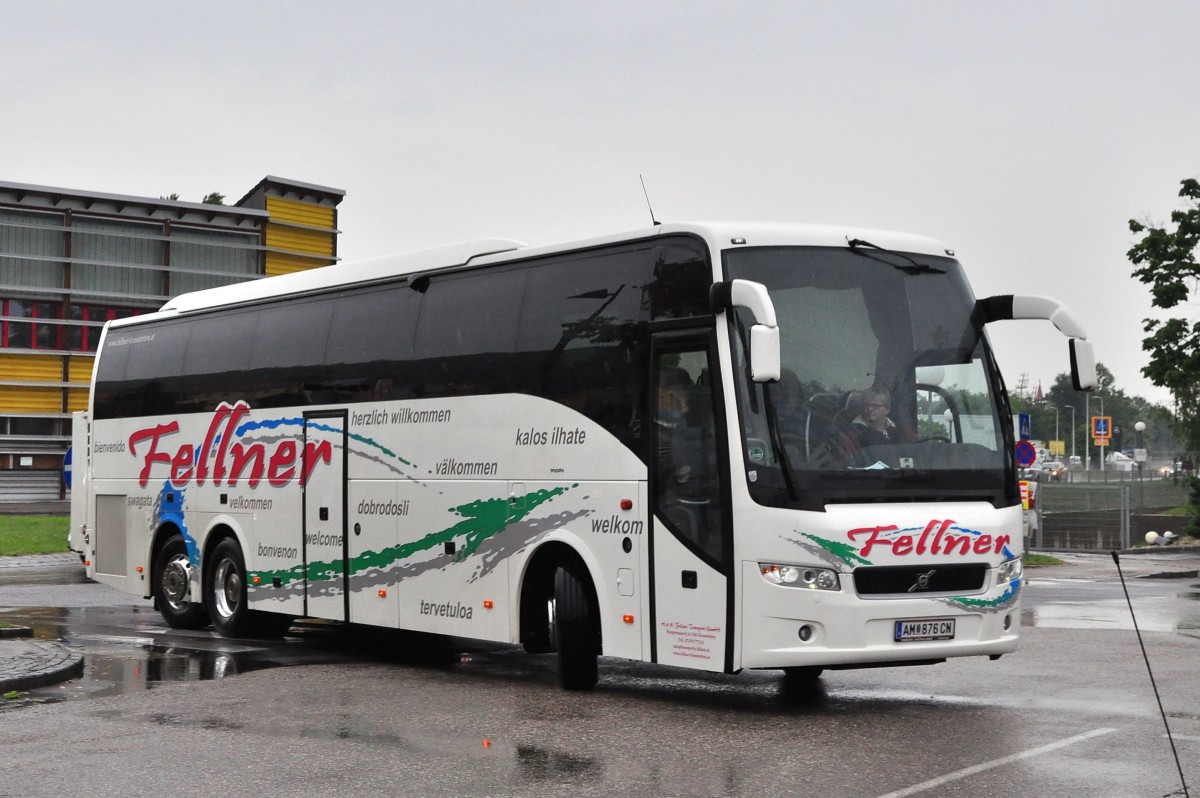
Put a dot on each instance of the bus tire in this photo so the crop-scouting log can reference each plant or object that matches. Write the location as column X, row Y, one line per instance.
column 171, row 582
column 225, row 590
column 576, row 630
column 802, row 675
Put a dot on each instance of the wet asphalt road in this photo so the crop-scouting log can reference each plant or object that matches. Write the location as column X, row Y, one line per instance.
column 324, row 712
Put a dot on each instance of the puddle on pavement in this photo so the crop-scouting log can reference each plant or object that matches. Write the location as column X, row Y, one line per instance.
column 1174, row 613
column 128, row 650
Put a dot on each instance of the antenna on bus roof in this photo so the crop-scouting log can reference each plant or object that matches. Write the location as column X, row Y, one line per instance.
column 648, row 205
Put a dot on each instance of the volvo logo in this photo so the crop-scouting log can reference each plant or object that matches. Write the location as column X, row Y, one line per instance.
column 923, row 581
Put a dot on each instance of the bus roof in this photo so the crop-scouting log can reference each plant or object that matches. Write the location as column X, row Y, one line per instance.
column 718, row 234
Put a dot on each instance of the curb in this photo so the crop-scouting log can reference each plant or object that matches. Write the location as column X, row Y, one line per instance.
column 27, row 663
column 9, row 632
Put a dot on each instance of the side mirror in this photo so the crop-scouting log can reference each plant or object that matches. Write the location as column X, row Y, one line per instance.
column 764, row 353
column 1083, row 365
column 764, row 333
column 1083, row 358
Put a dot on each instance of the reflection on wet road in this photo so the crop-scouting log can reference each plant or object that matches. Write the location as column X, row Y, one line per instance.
column 128, row 648
column 1160, row 605
column 1069, row 714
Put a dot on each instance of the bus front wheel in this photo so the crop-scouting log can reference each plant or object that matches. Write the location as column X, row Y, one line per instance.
column 576, row 630
column 172, row 581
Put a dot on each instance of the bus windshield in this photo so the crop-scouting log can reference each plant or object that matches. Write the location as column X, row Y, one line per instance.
column 888, row 389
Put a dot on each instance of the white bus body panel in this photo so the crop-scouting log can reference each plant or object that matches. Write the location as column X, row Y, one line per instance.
column 430, row 543
column 81, row 504
column 690, row 617
column 848, row 627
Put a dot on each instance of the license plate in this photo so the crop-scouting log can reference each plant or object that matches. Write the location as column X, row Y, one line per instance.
column 925, row 629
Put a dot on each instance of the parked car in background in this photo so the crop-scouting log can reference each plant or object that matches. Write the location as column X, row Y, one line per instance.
column 1054, row 471
column 1119, row 461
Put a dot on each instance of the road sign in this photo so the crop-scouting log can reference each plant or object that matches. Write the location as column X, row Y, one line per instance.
column 1026, row 454
column 67, row 467
column 1024, row 427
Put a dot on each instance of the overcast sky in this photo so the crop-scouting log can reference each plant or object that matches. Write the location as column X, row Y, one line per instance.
column 1023, row 134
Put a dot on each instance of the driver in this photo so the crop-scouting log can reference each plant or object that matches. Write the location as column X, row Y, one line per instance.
column 872, row 425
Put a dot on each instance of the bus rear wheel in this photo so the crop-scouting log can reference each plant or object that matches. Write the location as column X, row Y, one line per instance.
column 172, row 581
column 576, row 630
column 225, row 596
column 225, row 590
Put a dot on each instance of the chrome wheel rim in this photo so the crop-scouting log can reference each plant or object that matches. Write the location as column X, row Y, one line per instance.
column 177, row 582
column 227, row 588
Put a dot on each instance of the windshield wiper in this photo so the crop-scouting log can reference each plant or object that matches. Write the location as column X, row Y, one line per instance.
column 913, row 267
column 785, row 459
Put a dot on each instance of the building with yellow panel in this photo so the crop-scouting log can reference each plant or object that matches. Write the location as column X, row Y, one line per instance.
column 71, row 260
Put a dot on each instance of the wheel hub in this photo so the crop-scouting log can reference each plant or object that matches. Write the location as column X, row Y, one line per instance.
column 177, row 581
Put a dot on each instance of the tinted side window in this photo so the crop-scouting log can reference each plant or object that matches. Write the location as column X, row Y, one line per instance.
column 467, row 333
column 110, row 372
column 149, row 382
column 682, row 277
column 292, row 335
column 286, row 360
column 154, row 352
column 214, row 365
column 370, row 347
column 583, row 337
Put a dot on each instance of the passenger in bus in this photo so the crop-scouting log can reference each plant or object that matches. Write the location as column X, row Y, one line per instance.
column 687, row 472
column 670, row 418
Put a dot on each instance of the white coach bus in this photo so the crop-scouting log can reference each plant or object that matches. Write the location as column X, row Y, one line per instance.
column 649, row 446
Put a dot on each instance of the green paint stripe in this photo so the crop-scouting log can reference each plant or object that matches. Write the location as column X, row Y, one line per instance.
column 843, row 551
column 482, row 519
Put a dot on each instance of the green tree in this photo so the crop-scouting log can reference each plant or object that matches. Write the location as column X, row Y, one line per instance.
column 1166, row 261
column 214, row 198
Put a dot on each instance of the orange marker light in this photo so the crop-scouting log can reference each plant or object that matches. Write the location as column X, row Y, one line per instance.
column 626, row 504
column 487, row 743
column 383, row 594
column 487, row 604
column 258, row 580
column 140, row 569
column 627, row 618
column 87, row 563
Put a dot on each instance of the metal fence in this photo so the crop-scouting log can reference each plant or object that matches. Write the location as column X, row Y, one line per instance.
column 1106, row 515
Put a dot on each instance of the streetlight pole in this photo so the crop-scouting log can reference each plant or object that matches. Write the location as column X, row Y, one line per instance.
column 1140, row 456
column 1087, row 419
column 1087, row 411
column 1072, row 432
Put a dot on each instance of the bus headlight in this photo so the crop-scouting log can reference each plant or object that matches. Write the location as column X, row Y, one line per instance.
column 800, row 576
column 1009, row 571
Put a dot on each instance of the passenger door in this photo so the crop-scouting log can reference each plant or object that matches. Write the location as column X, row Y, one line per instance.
column 325, row 545
column 691, row 546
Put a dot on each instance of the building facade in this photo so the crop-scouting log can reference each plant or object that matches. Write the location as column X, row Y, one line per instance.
column 71, row 260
